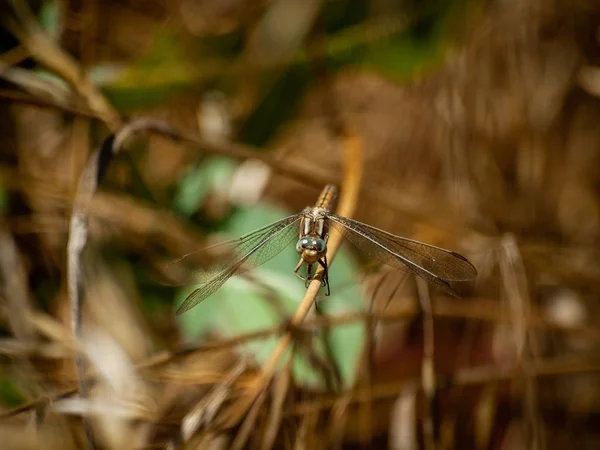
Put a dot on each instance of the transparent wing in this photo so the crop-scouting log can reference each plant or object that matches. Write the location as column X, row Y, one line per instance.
column 241, row 255
column 434, row 264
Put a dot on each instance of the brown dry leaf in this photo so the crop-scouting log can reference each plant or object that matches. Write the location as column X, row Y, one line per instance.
column 484, row 417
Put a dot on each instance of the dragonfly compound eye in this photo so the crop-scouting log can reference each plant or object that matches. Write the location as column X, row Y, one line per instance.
column 303, row 244
column 319, row 245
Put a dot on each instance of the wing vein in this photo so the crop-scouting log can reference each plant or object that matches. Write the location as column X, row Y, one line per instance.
column 432, row 263
column 277, row 234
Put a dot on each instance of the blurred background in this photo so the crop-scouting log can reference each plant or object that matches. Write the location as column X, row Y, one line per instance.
column 478, row 122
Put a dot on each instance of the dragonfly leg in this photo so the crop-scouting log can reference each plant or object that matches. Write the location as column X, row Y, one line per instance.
column 325, row 266
column 298, row 266
column 309, row 276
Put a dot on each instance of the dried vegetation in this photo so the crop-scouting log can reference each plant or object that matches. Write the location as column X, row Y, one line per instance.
column 492, row 150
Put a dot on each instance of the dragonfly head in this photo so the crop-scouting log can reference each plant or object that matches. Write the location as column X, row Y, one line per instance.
column 311, row 248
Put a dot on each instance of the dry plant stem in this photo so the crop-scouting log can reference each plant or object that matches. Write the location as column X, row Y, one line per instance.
column 338, row 417
column 476, row 376
column 329, row 359
column 479, row 310
column 428, row 376
column 549, row 367
column 348, row 200
column 517, row 292
column 282, row 385
column 14, row 56
column 352, row 145
column 15, row 306
column 363, row 372
column 78, row 231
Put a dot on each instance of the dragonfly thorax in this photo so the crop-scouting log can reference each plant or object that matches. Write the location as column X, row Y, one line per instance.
column 314, row 223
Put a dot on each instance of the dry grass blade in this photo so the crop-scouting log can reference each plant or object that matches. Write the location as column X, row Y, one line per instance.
column 403, row 419
column 338, row 418
column 307, row 437
column 78, row 228
column 322, row 364
column 118, row 398
column 203, row 414
column 37, row 86
column 428, row 375
column 333, row 374
column 517, row 291
column 444, row 308
column 16, row 306
column 281, row 388
column 516, row 288
column 484, row 417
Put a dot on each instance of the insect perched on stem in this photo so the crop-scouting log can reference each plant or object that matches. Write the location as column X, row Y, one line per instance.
column 311, row 227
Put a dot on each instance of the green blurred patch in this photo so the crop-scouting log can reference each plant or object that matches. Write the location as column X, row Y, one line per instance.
column 196, row 183
column 10, row 394
column 276, row 107
column 402, row 57
column 177, row 63
column 3, row 201
column 48, row 17
column 162, row 71
column 240, row 307
column 410, row 51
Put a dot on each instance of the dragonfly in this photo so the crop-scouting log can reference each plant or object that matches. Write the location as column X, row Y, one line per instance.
column 310, row 228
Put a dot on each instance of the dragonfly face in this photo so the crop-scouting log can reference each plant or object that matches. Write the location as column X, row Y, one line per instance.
column 311, row 249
